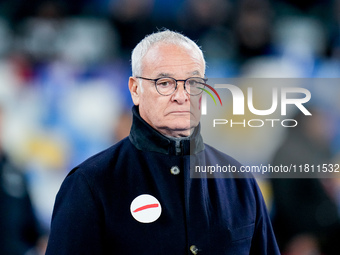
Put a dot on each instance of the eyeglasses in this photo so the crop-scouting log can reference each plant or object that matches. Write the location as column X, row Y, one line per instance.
column 167, row 85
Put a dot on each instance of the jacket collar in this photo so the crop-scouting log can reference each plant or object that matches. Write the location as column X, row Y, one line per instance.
column 146, row 138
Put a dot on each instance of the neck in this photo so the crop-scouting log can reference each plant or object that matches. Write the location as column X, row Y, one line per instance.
column 144, row 137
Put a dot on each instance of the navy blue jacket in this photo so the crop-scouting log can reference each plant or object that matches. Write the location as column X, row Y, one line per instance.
column 92, row 213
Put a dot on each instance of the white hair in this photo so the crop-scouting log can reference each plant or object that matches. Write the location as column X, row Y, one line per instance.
column 166, row 36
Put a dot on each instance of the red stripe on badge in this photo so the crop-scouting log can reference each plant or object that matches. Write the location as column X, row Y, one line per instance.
column 146, row 207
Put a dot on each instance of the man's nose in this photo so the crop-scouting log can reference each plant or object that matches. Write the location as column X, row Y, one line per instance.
column 180, row 95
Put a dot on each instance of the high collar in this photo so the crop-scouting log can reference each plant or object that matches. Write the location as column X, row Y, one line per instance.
column 146, row 138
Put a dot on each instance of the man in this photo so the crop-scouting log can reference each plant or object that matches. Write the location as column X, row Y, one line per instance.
column 137, row 197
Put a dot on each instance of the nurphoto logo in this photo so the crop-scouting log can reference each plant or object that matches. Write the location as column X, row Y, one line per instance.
column 294, row 96
column 213, row 90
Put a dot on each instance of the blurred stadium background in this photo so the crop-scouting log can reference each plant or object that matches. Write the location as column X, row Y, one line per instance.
column 64, row 68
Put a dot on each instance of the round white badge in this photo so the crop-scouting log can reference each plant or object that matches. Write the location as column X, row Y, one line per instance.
column 145, row 208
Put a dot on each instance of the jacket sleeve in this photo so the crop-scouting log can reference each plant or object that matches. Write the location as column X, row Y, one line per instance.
column 264, row 241
column 76, row 220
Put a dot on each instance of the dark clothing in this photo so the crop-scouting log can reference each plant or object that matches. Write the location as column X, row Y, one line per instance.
column 92, row 213
column 19, row 230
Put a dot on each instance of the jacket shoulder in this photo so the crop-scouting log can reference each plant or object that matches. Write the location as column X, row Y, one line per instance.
column 103, row 161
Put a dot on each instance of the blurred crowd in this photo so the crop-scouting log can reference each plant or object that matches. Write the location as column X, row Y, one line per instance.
column 64, row 67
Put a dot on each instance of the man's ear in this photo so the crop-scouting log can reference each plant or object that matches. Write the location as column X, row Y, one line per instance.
column 135, row 89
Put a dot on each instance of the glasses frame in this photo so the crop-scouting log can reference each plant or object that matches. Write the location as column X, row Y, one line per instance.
column 185, row 81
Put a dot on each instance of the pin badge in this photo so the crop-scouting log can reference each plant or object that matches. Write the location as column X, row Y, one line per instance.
column 145, row 208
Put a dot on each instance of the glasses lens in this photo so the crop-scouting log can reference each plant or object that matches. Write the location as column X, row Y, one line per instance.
column 194, row 86
column 166, row 86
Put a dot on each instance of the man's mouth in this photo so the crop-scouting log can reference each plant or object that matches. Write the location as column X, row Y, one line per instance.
column 180, row 112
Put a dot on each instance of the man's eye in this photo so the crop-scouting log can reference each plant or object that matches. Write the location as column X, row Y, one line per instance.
column 163, row 84
column 196, row 82
column 193, row 83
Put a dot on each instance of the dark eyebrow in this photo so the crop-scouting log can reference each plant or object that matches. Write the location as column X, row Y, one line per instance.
column 161, row 75
column 196, row 72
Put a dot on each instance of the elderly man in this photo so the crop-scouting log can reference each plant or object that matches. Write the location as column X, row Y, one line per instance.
column 137, row 197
